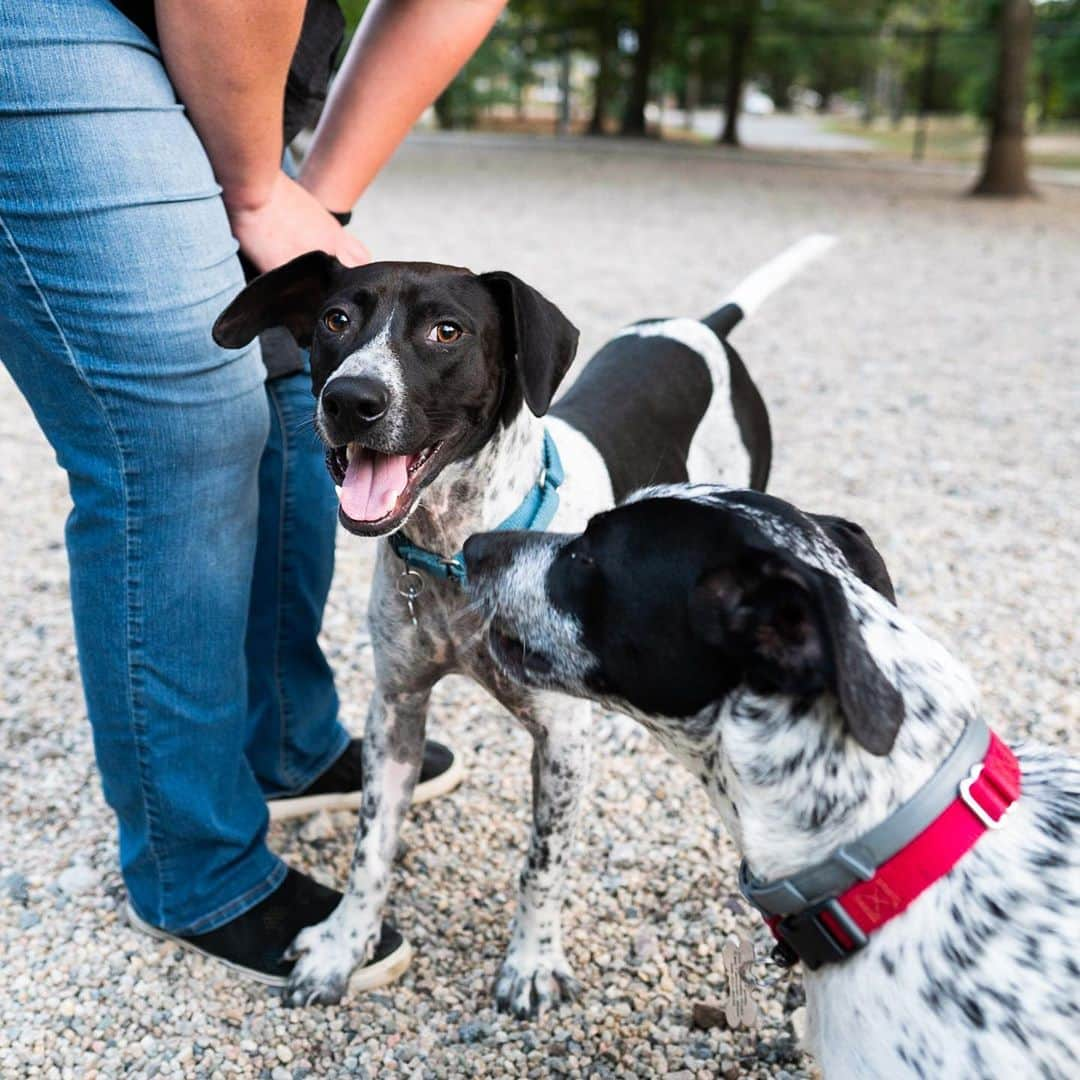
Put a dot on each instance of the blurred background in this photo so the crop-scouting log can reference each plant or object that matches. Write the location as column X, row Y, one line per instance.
column 949, row 81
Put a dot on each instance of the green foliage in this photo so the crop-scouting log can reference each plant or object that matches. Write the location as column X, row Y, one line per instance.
column 838, row 48
column 1057, row 60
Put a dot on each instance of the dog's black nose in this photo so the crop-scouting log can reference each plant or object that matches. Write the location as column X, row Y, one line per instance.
column 355, row 398
column 479, row 549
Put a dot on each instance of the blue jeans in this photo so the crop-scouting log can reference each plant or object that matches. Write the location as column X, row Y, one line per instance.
column 202, row 536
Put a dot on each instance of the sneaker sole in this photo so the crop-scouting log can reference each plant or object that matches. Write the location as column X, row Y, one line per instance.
column 443, row 784
column 389, row 969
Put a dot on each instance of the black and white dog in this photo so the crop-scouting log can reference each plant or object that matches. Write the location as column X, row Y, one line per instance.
column 430, row 383
column 928, row 878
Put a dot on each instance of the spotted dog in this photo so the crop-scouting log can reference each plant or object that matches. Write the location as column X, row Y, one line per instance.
column 926, row 875
column 431, row 382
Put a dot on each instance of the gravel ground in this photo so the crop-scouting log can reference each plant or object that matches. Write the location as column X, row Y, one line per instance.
column 922, row 380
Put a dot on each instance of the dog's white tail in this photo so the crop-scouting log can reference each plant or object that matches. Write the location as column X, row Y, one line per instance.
column 755, row 289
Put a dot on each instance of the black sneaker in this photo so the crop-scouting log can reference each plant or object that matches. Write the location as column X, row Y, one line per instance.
column 339, row 787
column 254, row 943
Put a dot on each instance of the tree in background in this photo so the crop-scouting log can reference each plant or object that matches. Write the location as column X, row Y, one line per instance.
column 605, row 34
column 740, row 42
column 1005, row 167
column 646, row 27
column 703, row 53
column 778, row 60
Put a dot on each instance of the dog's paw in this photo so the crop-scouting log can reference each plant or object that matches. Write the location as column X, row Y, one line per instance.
column 323, row 964
column 528, row 990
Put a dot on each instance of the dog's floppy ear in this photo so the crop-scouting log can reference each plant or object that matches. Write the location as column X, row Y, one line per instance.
column 857, row 547
column 539, row 337
column 289, row 296
column 871, row 704
column 792, row 630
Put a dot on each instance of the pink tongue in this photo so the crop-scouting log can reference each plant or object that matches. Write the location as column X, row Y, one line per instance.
column 372, row 484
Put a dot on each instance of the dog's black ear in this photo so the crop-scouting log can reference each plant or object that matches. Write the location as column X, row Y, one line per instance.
column 857, row 547
column 539, row 337
column 289, row 296
column 871, row 704
column 763, row 615
column 791, row 630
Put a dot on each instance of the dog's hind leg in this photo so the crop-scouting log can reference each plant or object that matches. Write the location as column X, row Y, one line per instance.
column 535, row 974
column 328, row 952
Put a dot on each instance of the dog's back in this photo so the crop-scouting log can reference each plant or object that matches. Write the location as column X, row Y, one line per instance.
column 668, row 400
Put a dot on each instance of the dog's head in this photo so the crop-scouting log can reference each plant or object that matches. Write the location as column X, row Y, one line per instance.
column 669, row 603
column 413, row 366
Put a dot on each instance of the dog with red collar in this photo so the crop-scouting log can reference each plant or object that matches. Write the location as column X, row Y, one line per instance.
column 924, row 873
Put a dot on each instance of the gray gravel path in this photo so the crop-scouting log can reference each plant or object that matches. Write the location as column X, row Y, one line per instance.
column 922, row 379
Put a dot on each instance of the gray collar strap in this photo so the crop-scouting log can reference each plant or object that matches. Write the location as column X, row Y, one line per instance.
column 858, row 860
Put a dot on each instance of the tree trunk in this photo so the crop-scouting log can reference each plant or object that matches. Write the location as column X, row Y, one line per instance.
column 1005, row 165
column 692, row 97
column 602, row 84
column 738, row 55
column 633, row 122
column 562, row 119
column 444, row 110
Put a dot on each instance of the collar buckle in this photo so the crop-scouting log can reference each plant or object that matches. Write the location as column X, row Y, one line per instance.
column 820, row 934
column 984, row 812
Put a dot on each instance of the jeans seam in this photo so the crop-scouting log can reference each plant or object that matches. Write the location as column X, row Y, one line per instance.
column 279, row 688
column 137, row 729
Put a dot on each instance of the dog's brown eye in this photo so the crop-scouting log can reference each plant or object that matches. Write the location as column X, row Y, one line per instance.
column 445, row 333
column 336, row 321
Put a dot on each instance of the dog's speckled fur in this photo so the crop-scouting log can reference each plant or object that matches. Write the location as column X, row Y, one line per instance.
column 978, row 977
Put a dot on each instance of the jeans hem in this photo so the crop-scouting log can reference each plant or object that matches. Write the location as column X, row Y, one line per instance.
column 238, row 905
column 315, row 771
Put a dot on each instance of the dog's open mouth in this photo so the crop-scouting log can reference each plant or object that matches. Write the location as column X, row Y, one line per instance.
column 521, row 663
column 377, row 490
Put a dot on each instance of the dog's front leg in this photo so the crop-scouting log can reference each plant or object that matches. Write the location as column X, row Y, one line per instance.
column 535, row 974
column 328, row 952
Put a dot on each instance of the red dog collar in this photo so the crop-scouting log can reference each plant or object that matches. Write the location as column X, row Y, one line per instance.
column 836, row 923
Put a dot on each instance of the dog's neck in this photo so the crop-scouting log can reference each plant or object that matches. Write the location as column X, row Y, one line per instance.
column 481, row 491
column 791, row 782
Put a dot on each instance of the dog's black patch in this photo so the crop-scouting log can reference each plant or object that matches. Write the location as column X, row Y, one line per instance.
column 644, row 438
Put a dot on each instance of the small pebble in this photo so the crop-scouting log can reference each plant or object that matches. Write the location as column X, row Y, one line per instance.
column 709, row 1014
column 76, row 879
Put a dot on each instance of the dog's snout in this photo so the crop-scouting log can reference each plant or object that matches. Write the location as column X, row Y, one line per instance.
column 355, row 399
column 480, row 551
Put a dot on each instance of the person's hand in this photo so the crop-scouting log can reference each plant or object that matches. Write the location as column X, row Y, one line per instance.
column 289, row 222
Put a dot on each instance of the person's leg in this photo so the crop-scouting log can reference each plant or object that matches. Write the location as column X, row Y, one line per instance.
column 294, row 734
column 115, row 257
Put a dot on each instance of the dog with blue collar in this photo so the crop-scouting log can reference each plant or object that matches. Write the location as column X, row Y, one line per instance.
column 434, row 391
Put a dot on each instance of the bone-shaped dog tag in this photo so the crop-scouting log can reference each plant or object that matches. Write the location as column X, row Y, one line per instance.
column 410, row 585
column 739, row 1008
